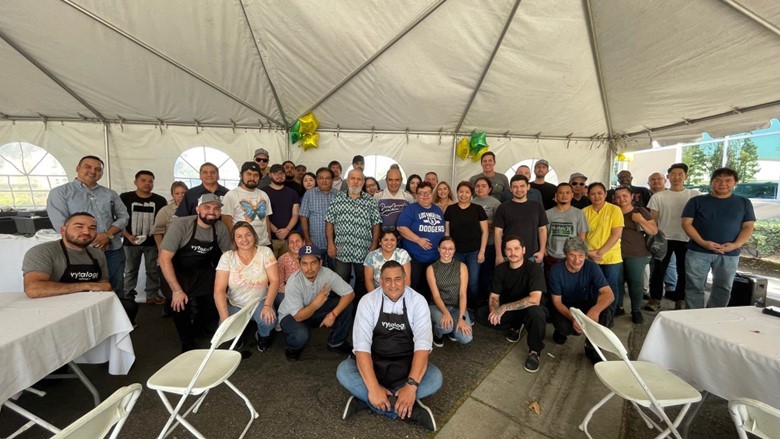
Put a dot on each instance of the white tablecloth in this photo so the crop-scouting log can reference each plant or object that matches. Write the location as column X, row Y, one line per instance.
column 729, row 352
column 12, row 250
column 37, row 336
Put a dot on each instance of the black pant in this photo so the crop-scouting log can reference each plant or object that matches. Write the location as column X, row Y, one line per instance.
column 534, row 318
column 344, row 270
column 678, row 248
column 419, row 280
column 194, row 320
column 565, row 327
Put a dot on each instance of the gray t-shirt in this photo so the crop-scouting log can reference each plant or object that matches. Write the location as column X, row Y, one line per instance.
column 180, row 230
column 49, row 258
column 562, row 225
column 300, row 291
column 490, row 205
column 499, row 182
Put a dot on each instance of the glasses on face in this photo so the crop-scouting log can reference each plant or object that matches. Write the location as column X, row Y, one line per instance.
column 261, row 160
column 575, row 183
column 424, row 194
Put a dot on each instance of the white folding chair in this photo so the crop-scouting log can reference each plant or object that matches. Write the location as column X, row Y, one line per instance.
column 643, row 384
column 197, row 371
column 755, row 417
column 112, row 412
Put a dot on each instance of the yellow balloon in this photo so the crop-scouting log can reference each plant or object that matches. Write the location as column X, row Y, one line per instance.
column 462, row 150
column 309, row 141
column 309, row 123
column 478, row 156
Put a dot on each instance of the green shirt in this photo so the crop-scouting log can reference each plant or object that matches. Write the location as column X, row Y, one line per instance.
column 353, row 220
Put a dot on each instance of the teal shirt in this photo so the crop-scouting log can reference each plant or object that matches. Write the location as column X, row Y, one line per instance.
column 353, row 222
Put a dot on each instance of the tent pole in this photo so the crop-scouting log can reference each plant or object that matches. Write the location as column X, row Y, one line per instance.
column 262, row 63
column 107, row 151
column 168, row 59
column 752, row 16
column 452, row 173
column 594, row 48
column 53, row 77
column 487, row 65
column 376, row 55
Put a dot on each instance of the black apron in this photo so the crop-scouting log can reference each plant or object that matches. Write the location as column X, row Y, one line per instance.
column 80, row 272
column 392, row 348
column 195, row 265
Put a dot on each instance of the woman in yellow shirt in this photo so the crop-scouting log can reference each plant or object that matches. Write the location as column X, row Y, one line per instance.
column 606, row 226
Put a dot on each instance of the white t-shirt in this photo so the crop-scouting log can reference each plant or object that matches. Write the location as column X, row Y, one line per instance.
column 669, row 205
column 247, row 282
column 250, row 206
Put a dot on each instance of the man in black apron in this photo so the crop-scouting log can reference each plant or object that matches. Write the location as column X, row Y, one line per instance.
column 392, row 337
column 69, row 265
column 189, row 255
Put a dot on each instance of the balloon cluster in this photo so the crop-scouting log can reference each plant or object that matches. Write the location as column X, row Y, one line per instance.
column 475, row 147
column 303, row 130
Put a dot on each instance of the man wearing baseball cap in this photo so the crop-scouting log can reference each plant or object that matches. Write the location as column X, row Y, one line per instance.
column 579, row 188
column 262, row 159
column 189, row 255
column 250, row 204
column 541, row 168
column 308, row 303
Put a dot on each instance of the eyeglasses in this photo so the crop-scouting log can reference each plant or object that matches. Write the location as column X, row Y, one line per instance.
column 261, row 160
column 424, row 194
column 574, row 183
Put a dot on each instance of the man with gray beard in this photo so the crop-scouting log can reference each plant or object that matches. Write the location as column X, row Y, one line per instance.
column 189, row 255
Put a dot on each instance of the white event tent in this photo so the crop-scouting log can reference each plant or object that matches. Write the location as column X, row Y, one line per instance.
column 572, row 81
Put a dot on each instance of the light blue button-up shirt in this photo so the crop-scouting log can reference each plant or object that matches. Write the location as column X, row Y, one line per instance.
column 103, row 203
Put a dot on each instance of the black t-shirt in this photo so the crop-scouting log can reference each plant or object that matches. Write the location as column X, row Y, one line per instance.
column 523, row 220
column 294, row 185
column 514, row 284
column 548, row 193
column 282, row 202
column 142, row 213
column 464, row 226
column 640, row 196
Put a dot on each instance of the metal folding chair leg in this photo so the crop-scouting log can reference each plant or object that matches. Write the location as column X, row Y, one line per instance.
column 170, row 426
column 584, row 425
column 34, row 420
column 252, row 412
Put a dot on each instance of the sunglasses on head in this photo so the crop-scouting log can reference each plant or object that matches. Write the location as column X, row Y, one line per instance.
column 261, row 160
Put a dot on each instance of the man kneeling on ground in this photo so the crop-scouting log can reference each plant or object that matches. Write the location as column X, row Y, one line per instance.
column 578, row 282
column 390, row 372
column 308, row 303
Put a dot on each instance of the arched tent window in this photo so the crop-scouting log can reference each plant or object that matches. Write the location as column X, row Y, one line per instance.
column 27, row 174
column 551, row 177
column 187, row 166
column 377, row 167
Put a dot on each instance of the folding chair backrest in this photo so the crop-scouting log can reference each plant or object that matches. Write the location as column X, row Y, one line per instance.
column 755, row 417
column 234, row 325
column 599, row 335
column 97, row 423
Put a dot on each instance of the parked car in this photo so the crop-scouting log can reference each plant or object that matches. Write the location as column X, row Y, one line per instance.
column 763, row 190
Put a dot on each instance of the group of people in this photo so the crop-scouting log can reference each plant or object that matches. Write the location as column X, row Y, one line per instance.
column 400, row 268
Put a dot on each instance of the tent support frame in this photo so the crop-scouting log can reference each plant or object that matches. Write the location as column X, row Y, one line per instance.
column 262, row 63
column 376, row 55
column 747, row 12
column 52, row 76
column 599, row 71
column 168, row 59
column 489, row 63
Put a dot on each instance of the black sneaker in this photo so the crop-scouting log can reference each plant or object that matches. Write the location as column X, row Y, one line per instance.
column 559, row 338
column 264, row 343
column 637, row 317
column 620, row 311
column 451, row 336
column 343, row 349
column 438, row 341
column 353, row 406
column 240, row 344
column 423, row 416
column 292, row 356
column 513, row 335
column 532, row 362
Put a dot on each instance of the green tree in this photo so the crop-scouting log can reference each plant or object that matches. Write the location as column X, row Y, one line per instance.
column 743, row 158
column 698, row 162
column 702, row 159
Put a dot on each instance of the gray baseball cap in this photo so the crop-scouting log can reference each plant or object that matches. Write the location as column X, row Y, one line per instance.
column 577, row 175
column 210, row 198
column 262, row 151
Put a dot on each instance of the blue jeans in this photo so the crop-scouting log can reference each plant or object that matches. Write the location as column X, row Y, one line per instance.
column 470, row 259
column 263, row 329
column 612, row 273
column 115, row 260
column 133, row 263
column 297, row 333
column 349, row 377
column 439, row 330
column 697, row 266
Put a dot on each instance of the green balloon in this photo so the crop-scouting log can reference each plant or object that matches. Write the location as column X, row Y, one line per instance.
column 478, row 141
column 295, row 132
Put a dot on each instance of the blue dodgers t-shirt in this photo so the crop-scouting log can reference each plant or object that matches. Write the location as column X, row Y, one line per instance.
column 718, row 219
column 578, row 287
column 425, row 223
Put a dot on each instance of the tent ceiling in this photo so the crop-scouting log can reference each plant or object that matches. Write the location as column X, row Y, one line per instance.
column 409, row 65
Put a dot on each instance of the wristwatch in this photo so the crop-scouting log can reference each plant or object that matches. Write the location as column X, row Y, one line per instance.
column 110, row 235
column 411, row 381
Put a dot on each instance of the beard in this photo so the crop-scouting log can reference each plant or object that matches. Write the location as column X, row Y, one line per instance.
column 354, row 190
column 250, row 184
column 78, row 241
column 207, row 220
